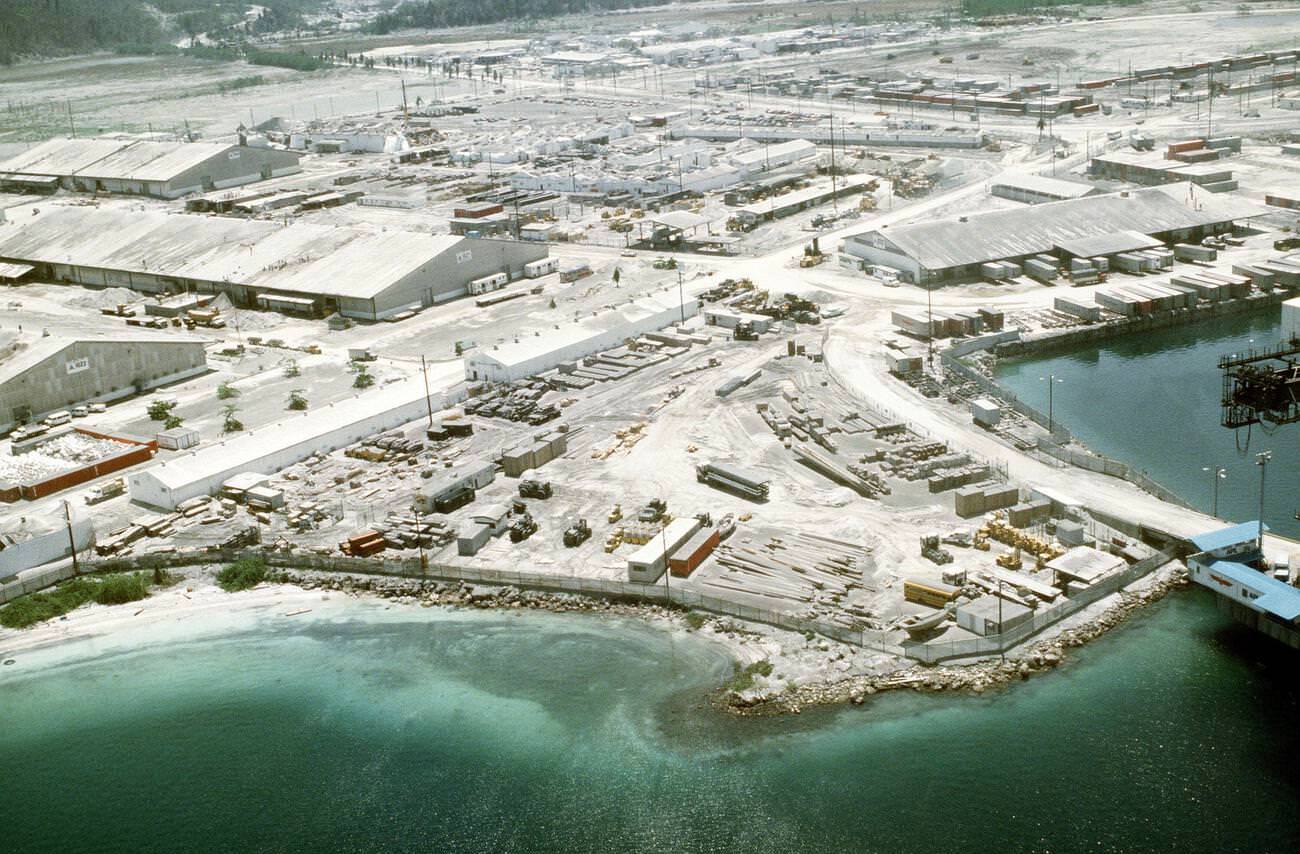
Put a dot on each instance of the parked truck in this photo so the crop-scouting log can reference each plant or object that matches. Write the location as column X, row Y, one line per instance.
column 746, row 483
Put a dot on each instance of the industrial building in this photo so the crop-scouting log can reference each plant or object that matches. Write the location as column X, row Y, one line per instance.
column 528, row 355
column 164, row 170
column 42, row 374
column 1037, row 189
column 33, row 540
column 1225, row 563
column 1153, row 169
column 297, row 268
column 278, row 445
column 948, row 249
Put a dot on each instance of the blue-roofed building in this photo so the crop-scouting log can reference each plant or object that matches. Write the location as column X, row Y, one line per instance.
column 1222, row 564
column 1230, row 541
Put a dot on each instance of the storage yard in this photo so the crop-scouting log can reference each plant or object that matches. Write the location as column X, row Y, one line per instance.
column 708, row 316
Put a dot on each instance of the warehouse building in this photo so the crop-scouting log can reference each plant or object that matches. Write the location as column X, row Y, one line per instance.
column 1153, row 169
column 39, row 375
column 952, row 249
column 529, row 355
column 1037, row 189
column 276, row 446
column 295, row 268
column 164, row 170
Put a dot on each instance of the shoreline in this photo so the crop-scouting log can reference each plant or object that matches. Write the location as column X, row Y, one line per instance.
column 805, row 672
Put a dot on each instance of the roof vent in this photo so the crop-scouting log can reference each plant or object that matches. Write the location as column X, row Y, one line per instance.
column 961, row 219
column 1123, row 194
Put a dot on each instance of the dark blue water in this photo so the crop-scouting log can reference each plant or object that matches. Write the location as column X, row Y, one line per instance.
column 1152, row 400
column 417, row 730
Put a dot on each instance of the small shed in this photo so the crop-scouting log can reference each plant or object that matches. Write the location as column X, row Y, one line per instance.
column 178, row 438
column 989, row 615
column 985, row 412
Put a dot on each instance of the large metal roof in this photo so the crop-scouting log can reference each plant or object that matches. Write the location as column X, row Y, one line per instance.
column 297, row 258
column 121, row 159
column 1020, row 232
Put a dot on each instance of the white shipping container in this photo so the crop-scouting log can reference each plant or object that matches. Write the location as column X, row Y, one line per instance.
column 541, row 267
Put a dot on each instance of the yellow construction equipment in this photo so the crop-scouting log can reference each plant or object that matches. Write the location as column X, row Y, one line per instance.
column 616, row 513
column 1010, row 560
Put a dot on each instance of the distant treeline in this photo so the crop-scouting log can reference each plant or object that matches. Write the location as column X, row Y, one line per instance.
column 59, row 27
column 434, row 14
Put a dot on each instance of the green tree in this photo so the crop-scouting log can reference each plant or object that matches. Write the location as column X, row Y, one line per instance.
column 225, row 391
column 297, row 400
column 172, row 422
column 363, row 378
column 229, row 423
column 159, row 410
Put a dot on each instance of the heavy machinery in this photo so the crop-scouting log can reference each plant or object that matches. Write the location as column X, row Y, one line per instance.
column 744, row 331
column 529, row 488
column 522, row 528
column 1262, row 386
column 653, row 510
column 932, row 551
column 615, row 513
column 577, row 534
column 1010, row 560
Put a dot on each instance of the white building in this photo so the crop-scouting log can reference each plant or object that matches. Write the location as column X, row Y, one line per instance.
column 541, row 351
column 276, row 446
column 30, row 541
column 768, row 157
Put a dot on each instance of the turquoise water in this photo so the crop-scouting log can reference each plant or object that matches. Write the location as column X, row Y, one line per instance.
column 1152, row 401
column 422, row 730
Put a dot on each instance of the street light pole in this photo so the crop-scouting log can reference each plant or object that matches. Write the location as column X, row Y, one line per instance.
column 1051, row 381
column 1262, row 460
column 1220, row 473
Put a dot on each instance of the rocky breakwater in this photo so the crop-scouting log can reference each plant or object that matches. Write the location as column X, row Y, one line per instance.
column 977, row 677
column 465, row 595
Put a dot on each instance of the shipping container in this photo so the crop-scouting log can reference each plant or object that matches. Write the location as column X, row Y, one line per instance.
column 693, row 552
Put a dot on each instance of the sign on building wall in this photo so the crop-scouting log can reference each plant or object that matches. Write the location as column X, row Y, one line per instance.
column 462, row 257
column 233, row 155
column 76, row 366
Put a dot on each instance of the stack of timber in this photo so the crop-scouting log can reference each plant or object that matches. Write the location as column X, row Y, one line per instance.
column 795, row 567
column 828, row 466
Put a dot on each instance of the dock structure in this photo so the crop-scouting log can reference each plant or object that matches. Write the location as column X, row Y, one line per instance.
column 1230, row 564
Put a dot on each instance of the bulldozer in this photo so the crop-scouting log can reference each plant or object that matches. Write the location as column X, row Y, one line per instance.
column 577, row 534
column 1010, row 560
column 615, row 513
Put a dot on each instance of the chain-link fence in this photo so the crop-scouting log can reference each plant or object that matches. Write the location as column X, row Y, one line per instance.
column 935, row 651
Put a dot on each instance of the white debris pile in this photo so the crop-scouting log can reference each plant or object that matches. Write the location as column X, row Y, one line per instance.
column 65, row 453
column 108, row 298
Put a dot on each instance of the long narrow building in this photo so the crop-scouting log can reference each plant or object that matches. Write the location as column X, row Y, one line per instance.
column 296, row 268
column 943, row 250
column 164, row 170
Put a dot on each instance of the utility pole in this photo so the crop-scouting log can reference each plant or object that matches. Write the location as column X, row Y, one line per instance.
column 71, row 126
column 1262, row 460
column 72, row 541
column 681, row 300
column 428, row 402
column 419, row 537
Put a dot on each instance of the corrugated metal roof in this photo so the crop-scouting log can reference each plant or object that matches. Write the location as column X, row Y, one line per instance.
column 1276, row 597
column 1016, row 233
column 299, row 258
column 1110, row 243
column 1046, row 186
column 1225, row 537
column 132, row 160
